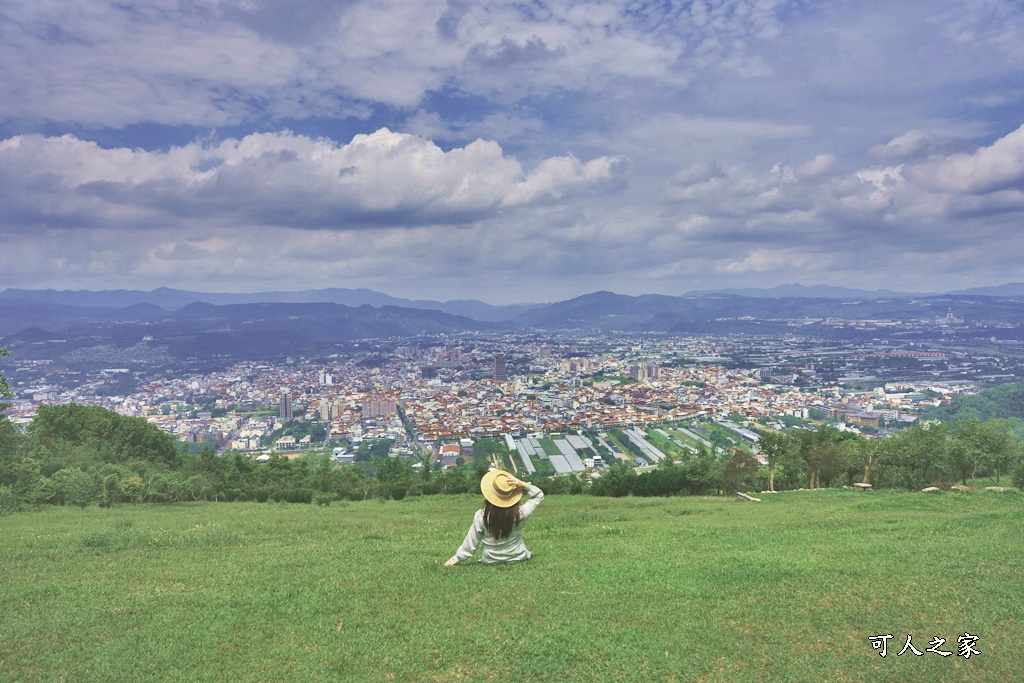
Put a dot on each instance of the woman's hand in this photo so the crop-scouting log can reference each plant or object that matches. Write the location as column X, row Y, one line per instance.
column 519, row 483
column 451, row 562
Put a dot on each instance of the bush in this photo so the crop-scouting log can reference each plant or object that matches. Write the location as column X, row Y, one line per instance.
column 1018, row 476
column 552, row 485
column 615, row 481
column 74, row 487
column 293, row 496
column 8, row 501
column 232, row 495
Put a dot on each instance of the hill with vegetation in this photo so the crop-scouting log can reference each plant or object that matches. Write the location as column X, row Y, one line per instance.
column 1005, row 402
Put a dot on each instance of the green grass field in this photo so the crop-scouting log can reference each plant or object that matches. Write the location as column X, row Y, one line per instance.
column 678, row 589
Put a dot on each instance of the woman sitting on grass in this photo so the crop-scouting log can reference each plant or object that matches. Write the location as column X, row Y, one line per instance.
column 499, row 523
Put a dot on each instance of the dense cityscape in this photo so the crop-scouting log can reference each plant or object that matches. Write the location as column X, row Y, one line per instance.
column 425, row 392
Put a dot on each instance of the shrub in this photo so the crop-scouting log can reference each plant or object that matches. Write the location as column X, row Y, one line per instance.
column 323, row 498
column 1018, row 476
column 293, row 496
column 8, row 501
column 232, row 495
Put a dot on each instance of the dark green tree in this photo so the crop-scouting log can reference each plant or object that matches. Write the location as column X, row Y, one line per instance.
column 925, row 450
column 454, row 480
column 615, row 481
column 74, row 487
column 395, row 476
column 986, row 444
column 739, row 470
column 773, row 446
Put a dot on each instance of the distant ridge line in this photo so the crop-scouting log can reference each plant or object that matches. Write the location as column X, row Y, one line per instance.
column 806, row 292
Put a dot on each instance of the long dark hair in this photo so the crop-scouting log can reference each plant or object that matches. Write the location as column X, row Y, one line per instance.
column 498, row 521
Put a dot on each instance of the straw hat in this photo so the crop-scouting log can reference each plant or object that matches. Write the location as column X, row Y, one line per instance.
column 499, row 490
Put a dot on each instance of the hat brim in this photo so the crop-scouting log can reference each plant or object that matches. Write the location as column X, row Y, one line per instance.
column 493, row 496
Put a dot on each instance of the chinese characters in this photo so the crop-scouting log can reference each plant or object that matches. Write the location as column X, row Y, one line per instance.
column 965, row 646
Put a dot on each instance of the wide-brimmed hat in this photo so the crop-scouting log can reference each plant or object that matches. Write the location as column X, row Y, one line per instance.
column 499, row 490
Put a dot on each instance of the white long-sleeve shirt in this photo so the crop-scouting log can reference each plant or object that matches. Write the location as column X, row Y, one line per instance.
column 499, row 551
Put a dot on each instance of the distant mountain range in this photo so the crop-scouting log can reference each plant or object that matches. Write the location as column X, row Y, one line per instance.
column 255, row 331
column 730, row 313
column 201, row 325
column 803, row 292
column 1009, row 289
column 828, row 292
column 173, row 299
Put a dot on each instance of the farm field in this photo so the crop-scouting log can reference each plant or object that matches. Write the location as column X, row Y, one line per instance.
column 633, row 589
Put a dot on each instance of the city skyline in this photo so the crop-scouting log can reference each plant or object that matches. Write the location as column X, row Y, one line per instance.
column 509, row 152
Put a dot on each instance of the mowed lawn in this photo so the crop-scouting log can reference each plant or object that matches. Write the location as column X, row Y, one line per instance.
column 678, row 589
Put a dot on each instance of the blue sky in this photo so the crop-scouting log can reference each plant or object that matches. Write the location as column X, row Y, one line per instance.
column 510, row 151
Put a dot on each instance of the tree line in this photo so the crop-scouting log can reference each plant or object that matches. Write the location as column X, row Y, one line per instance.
column 968, row 452
column 85, row 455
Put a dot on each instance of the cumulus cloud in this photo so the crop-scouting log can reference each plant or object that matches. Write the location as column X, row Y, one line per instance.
column 768, row 260
column 1000, row 166
column 904, row 206
column 555, row 178
column 734, row 190
column 819, row 167
column 916, row 145
column 283, row 179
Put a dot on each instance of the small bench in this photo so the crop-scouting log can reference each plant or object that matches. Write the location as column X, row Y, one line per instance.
column 744, row 496
column 862, row 487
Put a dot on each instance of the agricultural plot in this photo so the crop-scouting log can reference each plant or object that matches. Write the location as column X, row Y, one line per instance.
column 570, row 455
column 695, row 437
column 611, row 446
column 526, row 452
column 674, row 440
column 564, row 459
column 560, row 464
column 640, row 439
column 747, row 435
column 578, row 442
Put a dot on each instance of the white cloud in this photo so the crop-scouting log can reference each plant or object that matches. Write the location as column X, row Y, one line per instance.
column 916, row 145
column 768, row 260
column 104, row 63
column 819, row 167
column 555, row 178
column 896, row 207
column 1000, row 166
column 282, row 179
column 993, row 24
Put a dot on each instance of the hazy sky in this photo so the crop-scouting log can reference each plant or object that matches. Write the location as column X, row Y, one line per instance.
column 510, row 151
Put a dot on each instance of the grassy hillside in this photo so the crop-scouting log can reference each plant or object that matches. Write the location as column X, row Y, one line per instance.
column 676, row 589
